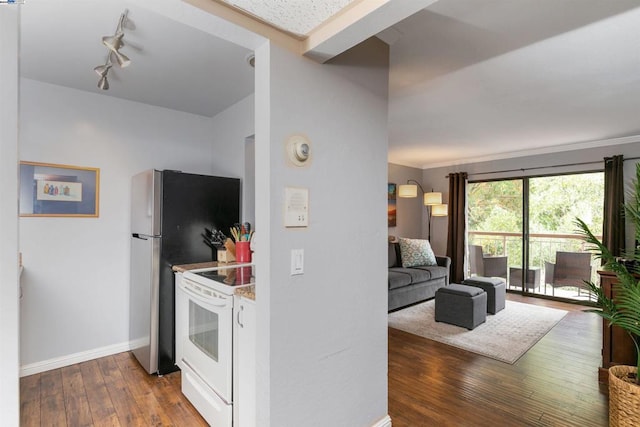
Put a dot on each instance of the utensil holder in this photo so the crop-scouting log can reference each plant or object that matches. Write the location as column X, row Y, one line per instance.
column 243, row 252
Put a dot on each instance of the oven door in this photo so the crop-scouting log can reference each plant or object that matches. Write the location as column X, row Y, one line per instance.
column 206, row 336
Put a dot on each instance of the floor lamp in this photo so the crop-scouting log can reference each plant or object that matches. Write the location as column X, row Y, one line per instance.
column 432, row 200
column 439, row 210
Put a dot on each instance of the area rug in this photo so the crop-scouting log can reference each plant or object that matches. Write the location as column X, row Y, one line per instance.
column 505, row 336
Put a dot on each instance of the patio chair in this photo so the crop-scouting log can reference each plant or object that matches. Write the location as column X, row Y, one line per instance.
column 486, row 266
column 571, row 269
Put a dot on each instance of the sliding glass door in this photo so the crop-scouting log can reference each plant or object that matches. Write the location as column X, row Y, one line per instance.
column 554, row 248
column 530, row 224
column 495, row 227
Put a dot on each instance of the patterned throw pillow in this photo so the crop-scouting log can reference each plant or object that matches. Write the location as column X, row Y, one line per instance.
column 416, row 252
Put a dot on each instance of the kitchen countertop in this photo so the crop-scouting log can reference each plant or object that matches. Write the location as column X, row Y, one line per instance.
column 185, row 267
column 248, row 292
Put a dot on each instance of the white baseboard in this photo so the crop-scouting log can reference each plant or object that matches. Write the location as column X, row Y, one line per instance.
column 61, row 362
column 384, row 422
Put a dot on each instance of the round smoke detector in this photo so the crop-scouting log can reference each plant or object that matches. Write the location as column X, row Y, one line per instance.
column 298, row 150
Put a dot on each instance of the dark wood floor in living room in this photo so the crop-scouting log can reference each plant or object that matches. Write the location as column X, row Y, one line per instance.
column 554, row 384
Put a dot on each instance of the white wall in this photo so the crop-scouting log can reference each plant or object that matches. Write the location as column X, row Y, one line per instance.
column 477, row 171
column 9, row 307
column 322, row 336
column 76, row 278
column 249, row 181
column 411, row 216
column 232, row 133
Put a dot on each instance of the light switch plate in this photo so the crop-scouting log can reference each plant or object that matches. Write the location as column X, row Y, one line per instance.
column 297, row 261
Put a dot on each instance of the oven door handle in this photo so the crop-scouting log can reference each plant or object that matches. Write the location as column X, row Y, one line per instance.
column 215, row 301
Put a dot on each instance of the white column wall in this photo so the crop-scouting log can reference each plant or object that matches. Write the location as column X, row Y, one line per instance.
column 9, row 305
column 322, row 336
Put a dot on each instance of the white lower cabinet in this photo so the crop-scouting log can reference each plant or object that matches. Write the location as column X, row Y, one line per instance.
column 244, row 362
column 180, row 320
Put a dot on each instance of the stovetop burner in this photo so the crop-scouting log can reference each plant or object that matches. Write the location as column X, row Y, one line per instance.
column 236, row 275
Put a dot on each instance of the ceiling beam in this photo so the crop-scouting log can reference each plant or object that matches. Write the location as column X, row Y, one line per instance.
column 355, row 24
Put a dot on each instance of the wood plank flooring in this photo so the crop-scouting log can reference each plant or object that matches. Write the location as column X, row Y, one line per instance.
column 554, row 384
column 430, row 384
column 110, row 391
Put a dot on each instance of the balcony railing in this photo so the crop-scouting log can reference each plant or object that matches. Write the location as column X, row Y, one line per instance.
column 542, row 247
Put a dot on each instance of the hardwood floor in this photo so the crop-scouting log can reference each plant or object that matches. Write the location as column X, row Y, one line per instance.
column 110, row 391
column 430, row 384
column 554, row 384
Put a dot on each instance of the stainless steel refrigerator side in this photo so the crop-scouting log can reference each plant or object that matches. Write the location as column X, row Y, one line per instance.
column 146, row 199
column 143, row 305
column 145, row 261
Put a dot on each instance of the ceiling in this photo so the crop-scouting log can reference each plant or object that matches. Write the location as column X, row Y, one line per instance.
column 173, row 65
column 470, row 80
column 294, row 16
column 478, row 80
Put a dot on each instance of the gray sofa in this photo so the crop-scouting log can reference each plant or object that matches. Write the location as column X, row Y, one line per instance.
column 411, row 285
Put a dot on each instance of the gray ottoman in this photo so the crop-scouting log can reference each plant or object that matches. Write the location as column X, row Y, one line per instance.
column 461, row 305
column 496, row 290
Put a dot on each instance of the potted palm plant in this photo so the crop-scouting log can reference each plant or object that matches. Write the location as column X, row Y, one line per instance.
column 623, row 311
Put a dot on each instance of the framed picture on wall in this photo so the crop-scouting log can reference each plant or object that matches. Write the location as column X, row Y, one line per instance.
column 391, row 204
column 58, row 190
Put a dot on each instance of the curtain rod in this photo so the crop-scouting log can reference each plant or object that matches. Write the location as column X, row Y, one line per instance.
column 543, row 167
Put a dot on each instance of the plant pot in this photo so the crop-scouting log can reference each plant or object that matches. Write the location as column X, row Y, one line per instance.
column 624, row 397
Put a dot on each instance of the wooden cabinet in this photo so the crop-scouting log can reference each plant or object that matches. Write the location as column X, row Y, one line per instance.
column 617, row 346
column 244, row 362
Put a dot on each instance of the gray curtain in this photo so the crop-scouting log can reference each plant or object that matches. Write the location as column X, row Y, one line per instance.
column 613, row 225
column 457, row 222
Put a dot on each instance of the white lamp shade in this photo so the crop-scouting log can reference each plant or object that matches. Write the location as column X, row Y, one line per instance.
column 440, row 210
column 408, row 190
column 431, row 199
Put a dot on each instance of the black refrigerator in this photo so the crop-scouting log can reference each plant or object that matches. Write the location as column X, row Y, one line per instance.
column 169, row 213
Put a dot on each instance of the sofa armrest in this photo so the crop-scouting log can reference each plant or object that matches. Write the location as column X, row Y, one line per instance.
column 445, row 261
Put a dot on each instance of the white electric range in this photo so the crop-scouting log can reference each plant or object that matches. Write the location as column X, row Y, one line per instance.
column 204, row 337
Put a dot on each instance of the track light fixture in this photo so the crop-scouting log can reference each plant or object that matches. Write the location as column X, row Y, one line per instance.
column 113, row 44
column 103, row 83
column 102, row 71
